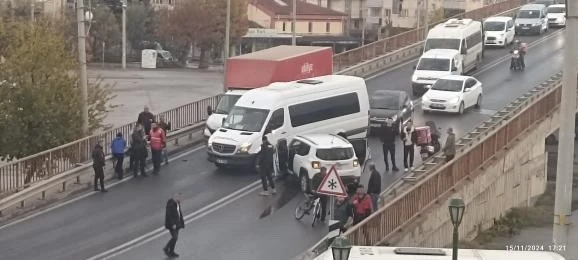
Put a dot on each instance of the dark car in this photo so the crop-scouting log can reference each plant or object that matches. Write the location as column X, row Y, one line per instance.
column 389, row 103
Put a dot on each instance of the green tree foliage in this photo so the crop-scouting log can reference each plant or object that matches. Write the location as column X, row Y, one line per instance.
column 104, row 28
column 41, row 103
column 201, row 22
column 139, row 20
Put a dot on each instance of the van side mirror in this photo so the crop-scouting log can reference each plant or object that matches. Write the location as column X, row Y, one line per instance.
column 464, row 51
column 414, row 67
column 454, row 68
column 209, row 110
column 223, row 122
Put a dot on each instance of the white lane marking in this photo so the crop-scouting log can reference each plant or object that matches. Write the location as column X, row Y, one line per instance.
column 495, row 63
column 208, row 209
column 44, row 211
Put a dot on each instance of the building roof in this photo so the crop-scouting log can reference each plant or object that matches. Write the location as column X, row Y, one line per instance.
column 285, row 7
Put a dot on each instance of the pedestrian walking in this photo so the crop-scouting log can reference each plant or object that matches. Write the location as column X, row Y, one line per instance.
column 118, row 147
column 157, row 142
column 374, row 185
column 387, row 135
column 265, row 162
column 166, row 126
column 146, row 118
column 361, row 204
column 409, row 138
column 139, row 152
column 450, row 146
column 98, row 166
column 173, row 222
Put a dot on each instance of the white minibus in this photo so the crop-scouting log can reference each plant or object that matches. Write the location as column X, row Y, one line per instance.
column 333, row 104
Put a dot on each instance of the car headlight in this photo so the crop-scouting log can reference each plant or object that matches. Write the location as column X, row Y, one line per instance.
column 315, row 165
column 244, row 148
column 537, row 23
column 454, row 100
column 394, row 117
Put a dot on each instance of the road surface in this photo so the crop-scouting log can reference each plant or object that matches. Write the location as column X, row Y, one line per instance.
column 225, row 216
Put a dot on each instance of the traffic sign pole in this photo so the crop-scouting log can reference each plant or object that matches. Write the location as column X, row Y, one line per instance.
column 331, row 208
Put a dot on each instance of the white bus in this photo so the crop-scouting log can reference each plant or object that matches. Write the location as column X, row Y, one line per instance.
column 463, row 35
column 416, row 253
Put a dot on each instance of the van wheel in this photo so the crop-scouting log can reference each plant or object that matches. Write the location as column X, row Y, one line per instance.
column 479, row 102
column 304, row 182
column 461, row 109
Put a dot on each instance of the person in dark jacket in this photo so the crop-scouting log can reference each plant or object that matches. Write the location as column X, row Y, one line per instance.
column 139, row 152
column 174, row 221
column 146, row 118
column 374, row 185
column 323, row 199
column 117, row 147
column 343, row 213
column 166, row 126
column 98, row 163
column 450, row 147
column 387, row 135
column 409, row 138
column 265, row 162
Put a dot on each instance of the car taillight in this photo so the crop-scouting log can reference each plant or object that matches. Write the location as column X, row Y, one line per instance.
column 355, row 163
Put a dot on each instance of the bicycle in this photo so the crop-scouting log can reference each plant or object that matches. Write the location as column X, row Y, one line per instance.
column 312, row 203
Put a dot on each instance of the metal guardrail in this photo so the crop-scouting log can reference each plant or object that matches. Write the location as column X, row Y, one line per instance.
column 378, row 48
column 33, row 169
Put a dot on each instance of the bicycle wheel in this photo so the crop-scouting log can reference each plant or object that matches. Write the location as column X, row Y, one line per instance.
column 315, row 212
column 301, row 209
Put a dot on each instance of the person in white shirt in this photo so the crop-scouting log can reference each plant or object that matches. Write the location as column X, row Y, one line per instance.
column 409, row 138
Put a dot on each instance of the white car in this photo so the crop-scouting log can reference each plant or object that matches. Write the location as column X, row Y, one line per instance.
column 307, row 153
column 499, row 31
column 453, row 94
column 557, row 15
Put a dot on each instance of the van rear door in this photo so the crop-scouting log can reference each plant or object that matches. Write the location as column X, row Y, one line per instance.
column 361, row 147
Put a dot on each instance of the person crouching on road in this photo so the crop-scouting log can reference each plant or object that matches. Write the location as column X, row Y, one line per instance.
column 139, row 152
column 265, row 162
column 174, row 221
column 157, row 137
column 117, row 147
column 323, row 199
column 98, row 166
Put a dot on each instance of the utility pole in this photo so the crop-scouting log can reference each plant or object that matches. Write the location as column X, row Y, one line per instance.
column 426, row 19
column 227, row 44
column 418, row 9
column 564, row 169
column 294, row 24
column 124, row 34
column 32, row 7
column 80, row 17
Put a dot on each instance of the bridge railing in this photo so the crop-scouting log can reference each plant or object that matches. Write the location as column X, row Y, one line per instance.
column 27, row 171
column 398, row 41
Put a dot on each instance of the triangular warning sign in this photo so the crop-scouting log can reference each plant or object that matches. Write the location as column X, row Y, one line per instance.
column 332, row 184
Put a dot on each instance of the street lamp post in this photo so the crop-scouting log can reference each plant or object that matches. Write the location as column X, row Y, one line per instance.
column 294, row 23
column 227, row 44
column 457, row 208
column 340, row 248
column 124, row 34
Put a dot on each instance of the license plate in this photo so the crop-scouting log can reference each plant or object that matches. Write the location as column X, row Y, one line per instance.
column 490, row 41
column 437, row 106
column 221, row 161
column 375, row 125
column 525, row 28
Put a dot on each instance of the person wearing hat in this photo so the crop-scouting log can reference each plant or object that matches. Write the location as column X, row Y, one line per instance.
column 265, row 164
column 450, row 146
column 117, row 148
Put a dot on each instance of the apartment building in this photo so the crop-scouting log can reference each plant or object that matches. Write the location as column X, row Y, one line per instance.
column 468, row 5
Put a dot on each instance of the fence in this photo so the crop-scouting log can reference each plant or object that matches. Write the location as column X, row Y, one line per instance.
column 507, row 126
column 389, row 44
column 19, row 174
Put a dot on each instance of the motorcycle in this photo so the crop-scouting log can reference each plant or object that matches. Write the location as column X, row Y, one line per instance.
column 429, row 142
column 516, row 61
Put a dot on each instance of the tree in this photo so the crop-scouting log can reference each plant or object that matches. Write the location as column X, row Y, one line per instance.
column 41, row 103
column 202, row 22
column 138, row 24
column 104, row 29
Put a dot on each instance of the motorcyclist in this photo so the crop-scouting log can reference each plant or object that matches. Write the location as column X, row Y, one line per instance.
column 522, row 49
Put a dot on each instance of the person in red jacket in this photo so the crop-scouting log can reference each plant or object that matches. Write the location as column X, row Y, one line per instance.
column 362, row 205
column 157, row 143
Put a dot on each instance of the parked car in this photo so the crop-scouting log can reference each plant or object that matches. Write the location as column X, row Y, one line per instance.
column 389, row 103
column 306, row 154
column 453, row 94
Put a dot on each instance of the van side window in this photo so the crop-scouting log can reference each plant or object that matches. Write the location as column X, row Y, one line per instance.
column 324, row 109
column 474, row 39
column 463, row 47
column 276, row 120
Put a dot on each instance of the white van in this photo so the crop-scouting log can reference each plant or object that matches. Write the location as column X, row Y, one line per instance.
column 433, row 65
column 556, row 15
column 531, row 19
column 333, row 104
column 499, row 31
column 463, row 35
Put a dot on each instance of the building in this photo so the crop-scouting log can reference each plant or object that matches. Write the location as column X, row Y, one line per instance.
column 467, row 5
column 311, row 19
column 42, row 8
column 402, row 13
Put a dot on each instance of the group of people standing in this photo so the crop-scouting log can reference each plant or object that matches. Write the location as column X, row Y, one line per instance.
column 146, row 133
column 388, row 135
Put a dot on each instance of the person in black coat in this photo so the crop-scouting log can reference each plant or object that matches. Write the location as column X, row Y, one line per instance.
column 139, row 152
column 265, row 162
column 146, row 118
column 98, row 162
column 387, row 135
column 174, row 221
column 374, row 185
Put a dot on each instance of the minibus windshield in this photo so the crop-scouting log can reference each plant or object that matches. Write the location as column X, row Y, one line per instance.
column 246, row 119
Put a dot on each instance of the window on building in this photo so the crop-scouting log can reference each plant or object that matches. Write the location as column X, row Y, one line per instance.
column 327, row 27
column 375, row 11
column 387, row 12
column 284, row 26
column 310, row 27
column 404, row 13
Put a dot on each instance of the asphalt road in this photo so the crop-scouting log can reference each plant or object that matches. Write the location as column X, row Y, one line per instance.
column 238, row 223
